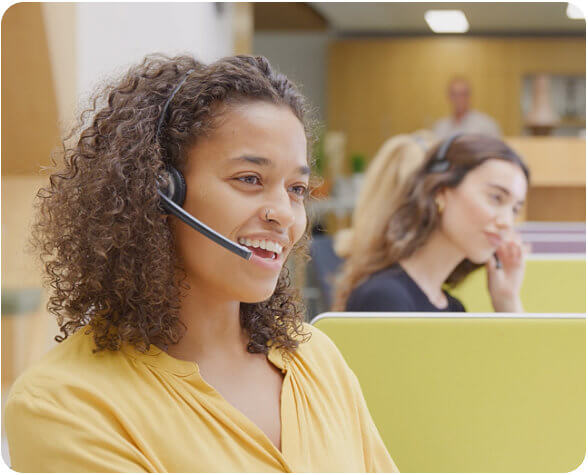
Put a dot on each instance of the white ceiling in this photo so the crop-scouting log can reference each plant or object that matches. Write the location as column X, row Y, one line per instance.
column 408, row 17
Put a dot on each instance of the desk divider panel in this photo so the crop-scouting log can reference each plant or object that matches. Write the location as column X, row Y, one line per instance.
column 471, row 392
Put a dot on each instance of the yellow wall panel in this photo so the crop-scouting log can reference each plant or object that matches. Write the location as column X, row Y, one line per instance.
column 29, row 107
column 381, row 87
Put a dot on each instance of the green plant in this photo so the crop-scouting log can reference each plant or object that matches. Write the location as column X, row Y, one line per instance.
column 358, row 163
column 318, row 152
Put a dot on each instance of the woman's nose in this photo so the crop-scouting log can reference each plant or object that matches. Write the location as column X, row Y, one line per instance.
column 278, row 209
column 505, row 219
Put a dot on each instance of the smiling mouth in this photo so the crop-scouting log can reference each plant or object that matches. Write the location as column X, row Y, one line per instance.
column 263, row 253
column 262, row 248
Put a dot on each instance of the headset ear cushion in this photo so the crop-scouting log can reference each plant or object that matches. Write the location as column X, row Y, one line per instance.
column 176, row 189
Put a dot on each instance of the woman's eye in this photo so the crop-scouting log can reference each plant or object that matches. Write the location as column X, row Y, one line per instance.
column 250, row 179
column 300, row 190
column 496, row 198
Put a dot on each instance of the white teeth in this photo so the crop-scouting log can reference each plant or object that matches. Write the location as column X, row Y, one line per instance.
column 262, row 244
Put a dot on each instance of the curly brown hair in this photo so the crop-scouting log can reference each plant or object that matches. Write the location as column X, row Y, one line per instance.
column 410, row 216
column 107, row 254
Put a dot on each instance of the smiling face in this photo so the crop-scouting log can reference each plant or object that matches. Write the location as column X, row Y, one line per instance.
column 480, row 212
column 247, row 180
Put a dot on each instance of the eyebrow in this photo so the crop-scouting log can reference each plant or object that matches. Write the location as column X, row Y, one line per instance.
column 266, row 162
column 504, row 190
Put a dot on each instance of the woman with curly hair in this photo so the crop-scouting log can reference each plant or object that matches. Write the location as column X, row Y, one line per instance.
column 426, row 220
column 178, row 355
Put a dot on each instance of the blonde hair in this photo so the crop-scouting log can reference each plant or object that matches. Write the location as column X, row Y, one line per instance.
column 381, row 193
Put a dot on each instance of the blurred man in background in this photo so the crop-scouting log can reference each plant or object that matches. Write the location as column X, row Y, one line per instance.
column 463, row 119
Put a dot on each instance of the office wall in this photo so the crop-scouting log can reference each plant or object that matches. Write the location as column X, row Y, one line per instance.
column 29, row 108
column 112, row 36
column 381, row 87
column 60, row 29
column 302, row 56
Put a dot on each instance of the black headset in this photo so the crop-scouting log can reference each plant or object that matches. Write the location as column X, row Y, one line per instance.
column 439, row 162
column 172, row 193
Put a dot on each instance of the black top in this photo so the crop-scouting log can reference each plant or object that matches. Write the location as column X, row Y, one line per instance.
column 393, row 290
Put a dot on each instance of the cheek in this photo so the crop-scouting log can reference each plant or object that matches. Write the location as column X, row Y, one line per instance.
column 466, row 216
column 296, row 231
column 479, row 210
column 475, row 209
column 300, row 225
column 210, row 205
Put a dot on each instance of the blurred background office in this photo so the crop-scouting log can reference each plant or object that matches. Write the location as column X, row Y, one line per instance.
column 371, row 70
column 377, row 70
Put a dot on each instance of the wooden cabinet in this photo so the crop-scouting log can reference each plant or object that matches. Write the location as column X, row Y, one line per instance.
column 558, row 177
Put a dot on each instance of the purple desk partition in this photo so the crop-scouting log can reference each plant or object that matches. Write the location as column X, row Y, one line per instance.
column 554, row 237
column 554, row 247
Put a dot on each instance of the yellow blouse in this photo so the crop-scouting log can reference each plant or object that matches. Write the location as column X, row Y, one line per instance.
column 124, row 411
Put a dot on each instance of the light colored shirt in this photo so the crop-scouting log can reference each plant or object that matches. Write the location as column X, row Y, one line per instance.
column 125, row 411
column 473, row 122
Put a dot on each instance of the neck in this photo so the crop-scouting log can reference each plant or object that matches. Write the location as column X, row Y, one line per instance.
column 459, row 116
column 213, row 326
column 430, row 265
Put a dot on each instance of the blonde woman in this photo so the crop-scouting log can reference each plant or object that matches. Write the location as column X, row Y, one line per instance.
column 425, row 221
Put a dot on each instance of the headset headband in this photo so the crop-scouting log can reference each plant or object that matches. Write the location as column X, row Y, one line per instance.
column 439, row 163
column 169, row 99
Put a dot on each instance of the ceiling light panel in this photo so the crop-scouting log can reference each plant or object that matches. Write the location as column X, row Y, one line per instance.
column 447, row 21
column 574, row 12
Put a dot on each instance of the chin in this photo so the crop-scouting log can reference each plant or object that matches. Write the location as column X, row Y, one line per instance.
column 255, row 294
column 480, row 257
